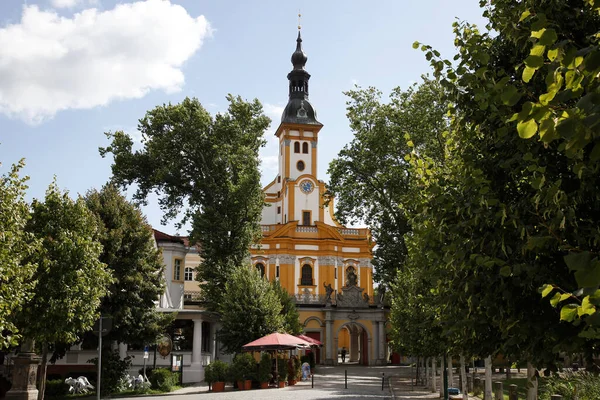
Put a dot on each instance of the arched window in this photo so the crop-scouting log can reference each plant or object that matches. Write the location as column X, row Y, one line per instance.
column 261, row 268
column 296, row 147
column 306, row 275
column 305, row 147
column 188, row 274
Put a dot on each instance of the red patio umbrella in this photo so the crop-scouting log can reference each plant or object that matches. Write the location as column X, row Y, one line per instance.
column 312, row 341
column 276, row 341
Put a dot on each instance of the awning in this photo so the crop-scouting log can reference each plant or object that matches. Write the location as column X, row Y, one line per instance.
column 277, row 341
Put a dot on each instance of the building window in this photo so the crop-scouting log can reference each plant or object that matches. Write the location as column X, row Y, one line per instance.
column 261, row 268
column 306, row 218
column 306, row 275
column 279, row 179
column 300, row 165
column 296, row 147
column 335, row 272
column 305, row 147
column 188, row 275
column 278, row 210
column 177, row 270
column 277, row 271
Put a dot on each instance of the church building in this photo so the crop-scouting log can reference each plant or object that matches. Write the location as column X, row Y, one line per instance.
column 326, row 266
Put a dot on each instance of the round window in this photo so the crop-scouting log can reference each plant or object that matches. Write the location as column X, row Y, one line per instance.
column 300, row 165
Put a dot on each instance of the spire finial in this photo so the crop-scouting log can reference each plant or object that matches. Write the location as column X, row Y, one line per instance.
column 299, row 19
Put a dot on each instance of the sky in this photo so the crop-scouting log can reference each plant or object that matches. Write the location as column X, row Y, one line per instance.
column 71, row 70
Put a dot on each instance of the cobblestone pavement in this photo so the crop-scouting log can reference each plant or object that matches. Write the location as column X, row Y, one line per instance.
column 363, row 383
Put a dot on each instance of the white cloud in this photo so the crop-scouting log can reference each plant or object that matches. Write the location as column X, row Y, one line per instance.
column 71, row 3
column 274, row 112
column 270, row 153
column 50, row 63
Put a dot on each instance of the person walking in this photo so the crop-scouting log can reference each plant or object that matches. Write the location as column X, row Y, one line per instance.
column 343, row 354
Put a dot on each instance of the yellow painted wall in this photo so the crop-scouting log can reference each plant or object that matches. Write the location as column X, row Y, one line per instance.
column 326, row 276
column 365, row 282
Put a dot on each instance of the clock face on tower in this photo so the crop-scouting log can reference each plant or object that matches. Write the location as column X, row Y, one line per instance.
column 306, row 186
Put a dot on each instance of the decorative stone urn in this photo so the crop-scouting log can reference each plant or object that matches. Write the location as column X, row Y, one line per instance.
column 24, row 374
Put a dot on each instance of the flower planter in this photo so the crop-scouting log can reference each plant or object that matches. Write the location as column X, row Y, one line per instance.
column 281, row 384
column 218, row 386
column 248, row 384
column 241, row 385
column 264, row 385
column 291, row 382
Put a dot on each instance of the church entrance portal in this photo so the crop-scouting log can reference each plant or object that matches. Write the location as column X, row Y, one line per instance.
column 355, row 338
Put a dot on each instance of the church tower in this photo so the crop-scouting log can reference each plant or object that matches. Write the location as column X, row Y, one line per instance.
column 324, row 265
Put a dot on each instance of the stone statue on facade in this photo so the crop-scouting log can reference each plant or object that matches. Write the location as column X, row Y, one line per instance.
column 328, row 292
column 351, row 279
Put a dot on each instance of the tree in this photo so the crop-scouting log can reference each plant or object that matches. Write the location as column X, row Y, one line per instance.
column 206, row 168
column 502, row 211
column 71, row 280
column 250, row 309
column 16, row 248
column 291, row 318
column 136, row 266
column 370, row 177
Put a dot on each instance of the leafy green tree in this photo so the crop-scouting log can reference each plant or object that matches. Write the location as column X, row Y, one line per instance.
column 206, row 168
column 291, row 318
column 370, row 177
column 16, row 248
column 71, row 280
column 136, row 266
column 249, row 309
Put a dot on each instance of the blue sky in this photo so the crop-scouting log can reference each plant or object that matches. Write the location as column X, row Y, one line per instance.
column 73, row 69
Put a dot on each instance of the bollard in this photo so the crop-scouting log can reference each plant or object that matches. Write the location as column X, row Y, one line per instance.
column 312, row 380
column 346, row 379
column 513, row 393
column 469, row 383
column 382, row 379
column 498, row 391
column 556, row 397
column 477, row 385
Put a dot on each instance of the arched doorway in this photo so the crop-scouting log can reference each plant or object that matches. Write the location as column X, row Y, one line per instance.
column 355, row 338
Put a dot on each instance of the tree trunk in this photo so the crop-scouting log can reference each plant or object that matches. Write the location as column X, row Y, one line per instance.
column 463, row 377
column 426, row 359
column 433, row 375
column 450, row 372
column 417, row 372
column 508, row 370
column 42, row 372
column 488, row 379
column 442, row 367
column 532, row 383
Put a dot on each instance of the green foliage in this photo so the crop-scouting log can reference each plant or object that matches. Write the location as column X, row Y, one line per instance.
column 71, row 280
column 282, row 371
column 265, row 368
column 56, row 388
column 249, row 309
column 369, row 177
column 289, row 312
column 205, row 168
column 572, row 386
column 216, row 371
column 136, row 266
column 114, row 369
column 16, row 249
column 243, row 367
column 163, row 379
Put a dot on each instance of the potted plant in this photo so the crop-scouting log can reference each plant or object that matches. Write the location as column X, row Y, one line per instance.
column 264, row 371
column 298, row 366
column 243, row 370
column 291, row 370
column 215, row 374
column 282, row 371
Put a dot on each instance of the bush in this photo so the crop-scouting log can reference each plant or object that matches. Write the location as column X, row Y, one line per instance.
column 216, row 371
column 56, row 388
column 572, row 386
column 243, row 367
column 113, row 370
column 298, row 366
column 264, row 368
column 163, row 379
column 282, row 369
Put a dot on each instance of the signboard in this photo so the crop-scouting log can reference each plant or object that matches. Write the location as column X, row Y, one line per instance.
column 165, row 345
column 176, row 362
column 145, row 352
column 106, row 326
